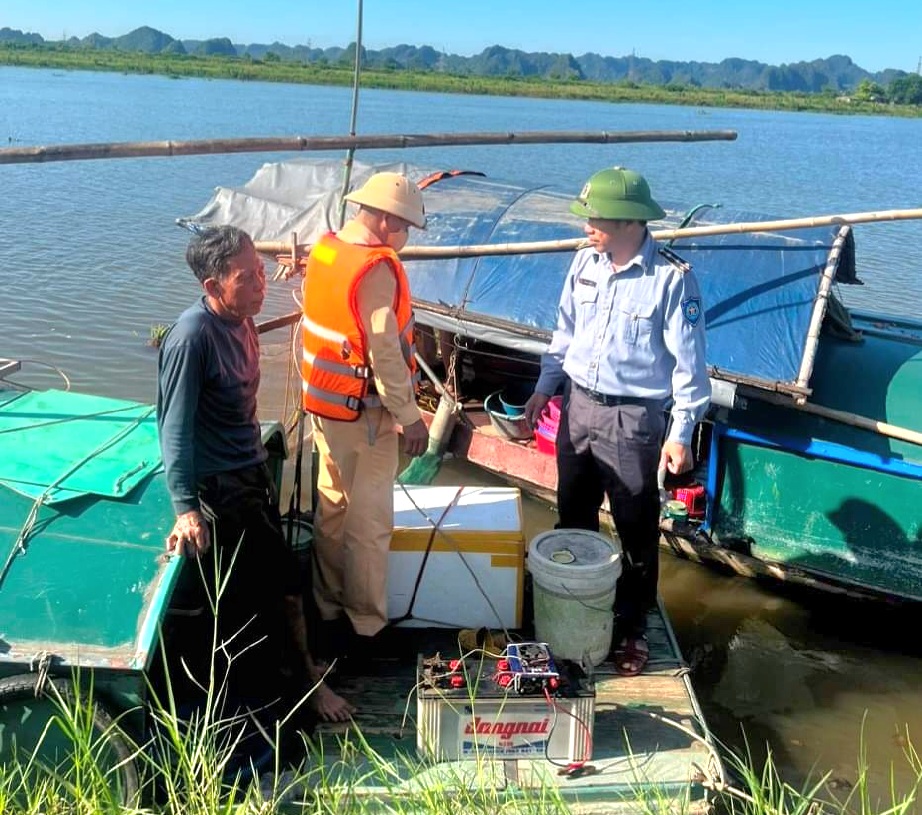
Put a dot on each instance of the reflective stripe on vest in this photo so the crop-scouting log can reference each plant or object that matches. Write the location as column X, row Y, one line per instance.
column 341, row 368
column 335, row 371
column 324, row 332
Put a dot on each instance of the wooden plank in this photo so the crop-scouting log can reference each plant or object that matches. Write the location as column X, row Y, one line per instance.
column 9, row 366
column 646, row 739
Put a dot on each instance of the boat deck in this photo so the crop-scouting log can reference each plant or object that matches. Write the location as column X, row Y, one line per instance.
column 650, row 742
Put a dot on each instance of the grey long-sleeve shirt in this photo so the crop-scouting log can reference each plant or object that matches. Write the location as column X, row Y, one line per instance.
column 208, row 378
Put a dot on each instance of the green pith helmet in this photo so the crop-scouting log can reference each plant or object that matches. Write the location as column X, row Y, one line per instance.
column 617, row 194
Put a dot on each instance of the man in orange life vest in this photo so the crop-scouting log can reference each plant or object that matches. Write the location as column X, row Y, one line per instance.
column 359, row 377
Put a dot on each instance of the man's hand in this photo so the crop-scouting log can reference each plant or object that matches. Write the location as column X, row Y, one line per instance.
column 676, row 458
column 415, row 438
column 534, row 407
column 190, row 535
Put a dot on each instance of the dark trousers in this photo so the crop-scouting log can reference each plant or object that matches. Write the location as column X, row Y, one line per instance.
column 614, row 450
column 249, row 572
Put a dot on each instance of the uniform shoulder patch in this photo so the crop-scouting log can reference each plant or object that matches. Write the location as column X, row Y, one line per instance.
column 691, row 310
column 679, row 263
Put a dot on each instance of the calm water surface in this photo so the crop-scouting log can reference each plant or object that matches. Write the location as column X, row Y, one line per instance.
column 90, row 258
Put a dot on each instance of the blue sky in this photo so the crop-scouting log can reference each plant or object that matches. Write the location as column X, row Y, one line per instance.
column 884, row 34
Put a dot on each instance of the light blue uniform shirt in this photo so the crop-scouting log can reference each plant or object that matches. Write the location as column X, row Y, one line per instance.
column 634, row 332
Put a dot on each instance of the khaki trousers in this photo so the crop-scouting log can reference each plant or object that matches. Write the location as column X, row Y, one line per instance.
column 354, row 518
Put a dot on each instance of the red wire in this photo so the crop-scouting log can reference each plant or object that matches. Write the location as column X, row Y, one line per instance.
column 575, row 765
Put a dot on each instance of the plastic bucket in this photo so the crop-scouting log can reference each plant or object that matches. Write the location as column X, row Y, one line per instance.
column 575, row 572
column 508, row 425
column 512, row 398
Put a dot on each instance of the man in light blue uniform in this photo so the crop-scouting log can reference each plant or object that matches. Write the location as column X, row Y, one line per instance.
column 629, row 343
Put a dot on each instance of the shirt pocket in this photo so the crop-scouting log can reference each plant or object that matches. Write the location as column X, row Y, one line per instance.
column 637, row 322
column 586, row 300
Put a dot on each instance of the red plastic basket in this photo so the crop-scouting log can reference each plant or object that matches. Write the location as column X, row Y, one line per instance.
column 551, row 412
column 546, row 442
column 549, row 430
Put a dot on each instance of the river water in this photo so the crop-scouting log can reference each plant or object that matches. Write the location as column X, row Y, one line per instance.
column 90, row 259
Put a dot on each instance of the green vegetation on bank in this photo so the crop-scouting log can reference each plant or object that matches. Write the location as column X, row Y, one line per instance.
column 188, row 766
column 903, row 97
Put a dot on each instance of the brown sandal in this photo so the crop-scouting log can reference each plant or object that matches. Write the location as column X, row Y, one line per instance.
column 631, row 656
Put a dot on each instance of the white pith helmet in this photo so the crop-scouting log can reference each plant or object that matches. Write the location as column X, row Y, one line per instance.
column 392, row 193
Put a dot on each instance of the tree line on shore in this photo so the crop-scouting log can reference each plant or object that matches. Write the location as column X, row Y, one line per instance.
column 901, row 96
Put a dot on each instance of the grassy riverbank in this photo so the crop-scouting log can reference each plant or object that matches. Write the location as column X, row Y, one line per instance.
column 217, row 67
column 190, row 767
column 81, row 762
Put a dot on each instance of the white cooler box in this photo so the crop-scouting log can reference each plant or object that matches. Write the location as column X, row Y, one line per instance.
column 477, row 552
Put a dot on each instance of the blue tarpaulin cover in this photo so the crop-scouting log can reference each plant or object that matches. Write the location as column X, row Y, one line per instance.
column 759, row 290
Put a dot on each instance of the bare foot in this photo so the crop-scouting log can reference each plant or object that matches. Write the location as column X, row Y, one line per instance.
column 330, row 706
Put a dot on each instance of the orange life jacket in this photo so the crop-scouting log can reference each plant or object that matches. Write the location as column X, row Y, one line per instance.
column 335, row 370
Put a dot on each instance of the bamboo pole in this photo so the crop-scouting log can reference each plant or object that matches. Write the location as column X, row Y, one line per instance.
column 572, row 244
column 353, row 117
column 820, row 305
column 842, row 416
column 278, row 322
column 81, row 152
column 790, row 223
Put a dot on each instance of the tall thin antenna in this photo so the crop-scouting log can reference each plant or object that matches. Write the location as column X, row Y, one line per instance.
column 350, row 154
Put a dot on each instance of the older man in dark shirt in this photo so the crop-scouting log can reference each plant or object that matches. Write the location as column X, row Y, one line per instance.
column 216, row 473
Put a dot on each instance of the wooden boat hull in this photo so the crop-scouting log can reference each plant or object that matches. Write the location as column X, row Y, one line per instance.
column 792, row 496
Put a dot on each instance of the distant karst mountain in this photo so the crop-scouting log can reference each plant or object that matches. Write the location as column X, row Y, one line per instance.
column 837, row 73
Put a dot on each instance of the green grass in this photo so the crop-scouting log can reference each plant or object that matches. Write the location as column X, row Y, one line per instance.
column 316, row 73
column 185, row 770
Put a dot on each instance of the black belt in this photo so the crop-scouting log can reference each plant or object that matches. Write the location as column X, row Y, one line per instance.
column 609, row 400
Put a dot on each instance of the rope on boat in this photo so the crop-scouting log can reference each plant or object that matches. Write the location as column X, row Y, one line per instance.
column 41, row 663
column 54, row 368
column 82, row 416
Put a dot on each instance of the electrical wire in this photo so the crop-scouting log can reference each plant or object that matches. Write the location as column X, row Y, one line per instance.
column 422, row 566
column 572, row 766
column 457, row 547
column 425, row 681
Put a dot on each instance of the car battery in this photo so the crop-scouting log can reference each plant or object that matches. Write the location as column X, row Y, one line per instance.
column 514, row 706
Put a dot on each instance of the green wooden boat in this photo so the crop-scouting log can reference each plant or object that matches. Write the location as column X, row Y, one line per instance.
column 85, row 585
column 815, row 497
column 85, row 592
